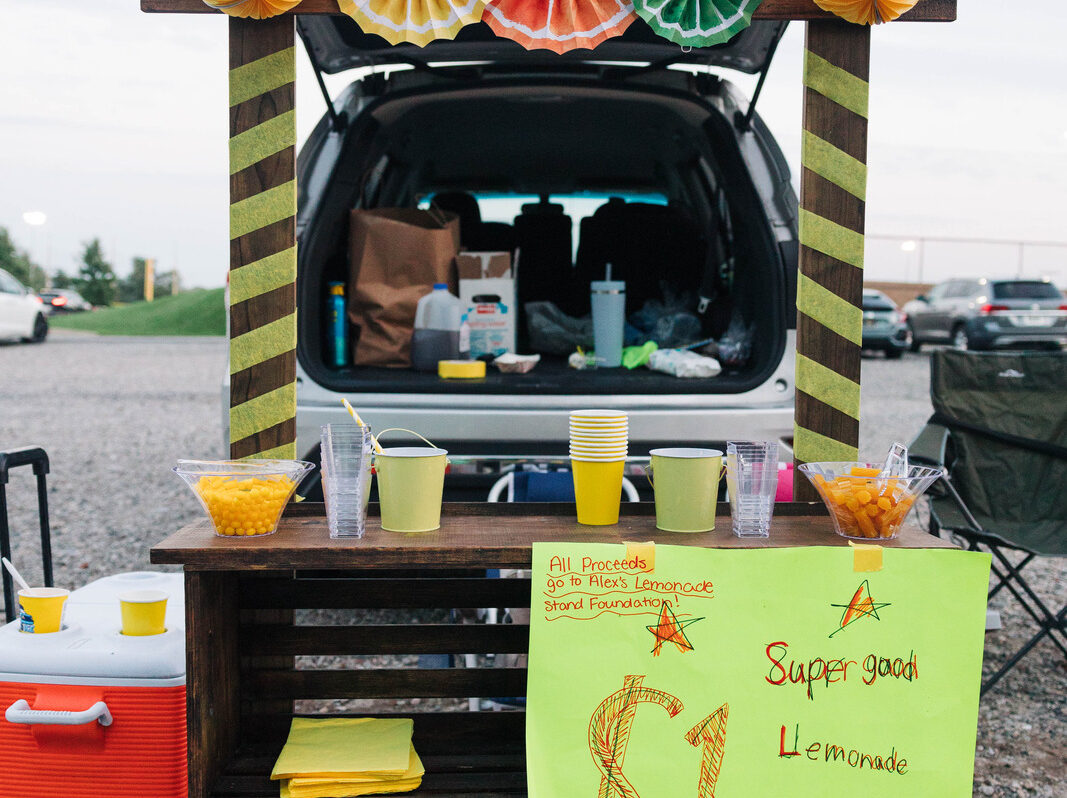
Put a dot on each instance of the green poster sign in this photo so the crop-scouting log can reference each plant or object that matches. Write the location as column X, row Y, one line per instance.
column 675, row 671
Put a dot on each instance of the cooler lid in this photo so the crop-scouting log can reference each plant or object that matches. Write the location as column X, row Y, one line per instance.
column 91, row 646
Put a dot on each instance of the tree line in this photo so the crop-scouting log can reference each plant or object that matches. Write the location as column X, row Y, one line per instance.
column 94, row 279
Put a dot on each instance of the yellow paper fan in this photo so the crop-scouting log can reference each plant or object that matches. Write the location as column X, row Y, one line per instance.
column 867, row 12
column 417, row 22
column 255, row 9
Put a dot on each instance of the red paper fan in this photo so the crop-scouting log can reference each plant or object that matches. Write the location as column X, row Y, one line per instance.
column 558, row 25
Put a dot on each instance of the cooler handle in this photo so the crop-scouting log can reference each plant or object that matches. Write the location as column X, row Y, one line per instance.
column 20, row 712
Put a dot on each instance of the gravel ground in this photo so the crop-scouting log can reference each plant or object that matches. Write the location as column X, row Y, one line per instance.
column 113, row 412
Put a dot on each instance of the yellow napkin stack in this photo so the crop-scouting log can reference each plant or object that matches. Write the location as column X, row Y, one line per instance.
column 343, row 757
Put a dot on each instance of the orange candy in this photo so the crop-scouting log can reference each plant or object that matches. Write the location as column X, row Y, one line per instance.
column 865, row 506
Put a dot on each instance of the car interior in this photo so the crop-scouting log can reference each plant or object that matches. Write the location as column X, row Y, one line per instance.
column 704, row 232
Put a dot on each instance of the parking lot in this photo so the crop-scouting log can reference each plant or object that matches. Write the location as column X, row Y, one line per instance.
column 114, row 414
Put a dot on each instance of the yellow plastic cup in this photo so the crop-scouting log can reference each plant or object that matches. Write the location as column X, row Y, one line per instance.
column 598, row 490
column 144, row 612
column 41, row 609
column 686, row 486
column 411, row 483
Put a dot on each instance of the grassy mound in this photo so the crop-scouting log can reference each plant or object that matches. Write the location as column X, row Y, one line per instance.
column 198, row 312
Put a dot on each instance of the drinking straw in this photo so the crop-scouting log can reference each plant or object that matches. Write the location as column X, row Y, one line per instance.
column 355, row 417
column 11, row 569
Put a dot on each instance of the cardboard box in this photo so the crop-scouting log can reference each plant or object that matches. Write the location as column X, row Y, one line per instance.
column 492, row 324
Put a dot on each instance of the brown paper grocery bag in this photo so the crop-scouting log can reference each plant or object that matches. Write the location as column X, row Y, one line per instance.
column 395, row 257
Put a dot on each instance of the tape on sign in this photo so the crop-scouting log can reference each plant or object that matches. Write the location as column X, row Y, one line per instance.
column 643, row 551
column 866, row 557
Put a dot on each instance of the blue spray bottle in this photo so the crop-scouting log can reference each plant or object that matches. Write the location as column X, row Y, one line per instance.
column 338, row 322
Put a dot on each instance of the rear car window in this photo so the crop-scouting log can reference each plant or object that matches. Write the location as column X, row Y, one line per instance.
column 877, row 303
column 1025, row 290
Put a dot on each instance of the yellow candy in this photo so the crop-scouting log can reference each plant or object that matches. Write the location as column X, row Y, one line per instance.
column 244, row 507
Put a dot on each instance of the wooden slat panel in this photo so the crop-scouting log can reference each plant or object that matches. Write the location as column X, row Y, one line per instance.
column 496, row 783
column 470, row 538
column 258, row 763
column 386, row 639
column 924, row 11
column 384, row 593
column 390, row 683
column 435, row 732
column 213, row 719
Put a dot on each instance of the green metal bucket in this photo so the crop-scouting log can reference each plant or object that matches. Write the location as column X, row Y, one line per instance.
column 411, row 483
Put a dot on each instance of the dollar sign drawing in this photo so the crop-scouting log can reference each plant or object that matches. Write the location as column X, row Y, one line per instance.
column 711, row 732
column 609, row 732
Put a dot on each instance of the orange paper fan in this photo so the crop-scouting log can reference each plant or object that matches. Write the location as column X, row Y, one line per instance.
column 255, row 9
column 558, row 25
column 867, row 12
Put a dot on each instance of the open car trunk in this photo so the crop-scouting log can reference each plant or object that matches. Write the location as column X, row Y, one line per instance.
column 549, row 138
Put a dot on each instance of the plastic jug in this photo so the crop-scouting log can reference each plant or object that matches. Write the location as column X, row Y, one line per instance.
column 438, row 329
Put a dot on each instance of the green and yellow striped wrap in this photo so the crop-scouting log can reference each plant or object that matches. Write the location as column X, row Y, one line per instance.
column 262, row 239
column 830, row 283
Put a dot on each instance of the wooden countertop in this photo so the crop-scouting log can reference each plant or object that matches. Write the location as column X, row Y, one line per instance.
column 479, row 535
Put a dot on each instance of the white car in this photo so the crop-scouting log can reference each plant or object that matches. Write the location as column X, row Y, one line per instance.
column 22, row 315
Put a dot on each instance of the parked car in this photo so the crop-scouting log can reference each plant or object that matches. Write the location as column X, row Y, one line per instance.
column 885, row 327
column 22, row 316
column 64, row 300
column 986, row 313
column 554, row 156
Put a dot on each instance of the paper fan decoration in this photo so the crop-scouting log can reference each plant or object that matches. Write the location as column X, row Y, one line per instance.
column 697, row 23
column 866, row 12
column 558, row 25
column 256, row 9
column 413, row 21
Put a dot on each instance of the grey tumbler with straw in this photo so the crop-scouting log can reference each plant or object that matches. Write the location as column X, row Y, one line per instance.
column 608, row 298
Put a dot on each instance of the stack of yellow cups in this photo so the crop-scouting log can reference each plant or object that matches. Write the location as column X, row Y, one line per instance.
column 598, row 455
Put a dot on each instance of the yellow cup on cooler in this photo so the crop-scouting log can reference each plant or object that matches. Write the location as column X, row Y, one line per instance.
column 41, row 609
column 144, row 612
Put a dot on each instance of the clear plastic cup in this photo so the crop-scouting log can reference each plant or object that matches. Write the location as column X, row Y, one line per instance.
column 752, row 480
column 346, row 478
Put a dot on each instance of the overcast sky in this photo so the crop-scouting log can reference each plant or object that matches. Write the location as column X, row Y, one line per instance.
column 114, row 124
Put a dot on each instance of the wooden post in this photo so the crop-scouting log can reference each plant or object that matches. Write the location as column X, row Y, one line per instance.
column 833, row 186
column 262, row 238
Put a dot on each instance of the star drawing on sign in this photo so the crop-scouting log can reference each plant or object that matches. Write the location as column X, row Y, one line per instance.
column 668, row 629
column 862, row 605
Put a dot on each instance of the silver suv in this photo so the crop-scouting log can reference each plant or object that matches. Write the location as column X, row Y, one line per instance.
column 667, row 168
column 986, row 313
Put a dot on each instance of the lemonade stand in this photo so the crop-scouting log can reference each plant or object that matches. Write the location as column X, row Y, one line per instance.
column 797, row 664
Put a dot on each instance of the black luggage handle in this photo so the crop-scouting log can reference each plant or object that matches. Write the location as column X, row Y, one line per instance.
column 27, row 456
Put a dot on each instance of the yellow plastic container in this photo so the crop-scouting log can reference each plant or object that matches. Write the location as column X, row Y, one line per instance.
column 42, row 609
column 411, row 483
column 144, row 612
column 598, row 490
column 686, row 485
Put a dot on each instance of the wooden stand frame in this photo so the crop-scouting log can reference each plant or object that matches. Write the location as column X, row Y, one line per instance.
column 263, row 233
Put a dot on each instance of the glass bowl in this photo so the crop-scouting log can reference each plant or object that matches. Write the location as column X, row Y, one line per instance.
column 243, row 498
column 863, row 505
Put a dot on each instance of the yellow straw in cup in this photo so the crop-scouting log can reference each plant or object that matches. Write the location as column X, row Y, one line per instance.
column 355, row 417
column 144, row 612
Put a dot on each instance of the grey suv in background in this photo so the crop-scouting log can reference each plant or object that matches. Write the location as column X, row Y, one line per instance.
column 984, row 313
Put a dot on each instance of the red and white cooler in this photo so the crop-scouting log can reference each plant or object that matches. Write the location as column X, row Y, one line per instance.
column 90, row 712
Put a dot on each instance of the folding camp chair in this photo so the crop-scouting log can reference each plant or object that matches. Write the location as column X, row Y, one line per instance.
column 1000, row 430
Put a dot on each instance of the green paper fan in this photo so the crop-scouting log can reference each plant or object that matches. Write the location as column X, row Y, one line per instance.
column 697, row 23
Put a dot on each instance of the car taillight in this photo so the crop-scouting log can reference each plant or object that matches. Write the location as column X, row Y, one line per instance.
column 1062, row 307
column 901, row 317
column 39, row 300
column 59, row 301
column 985, row 310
